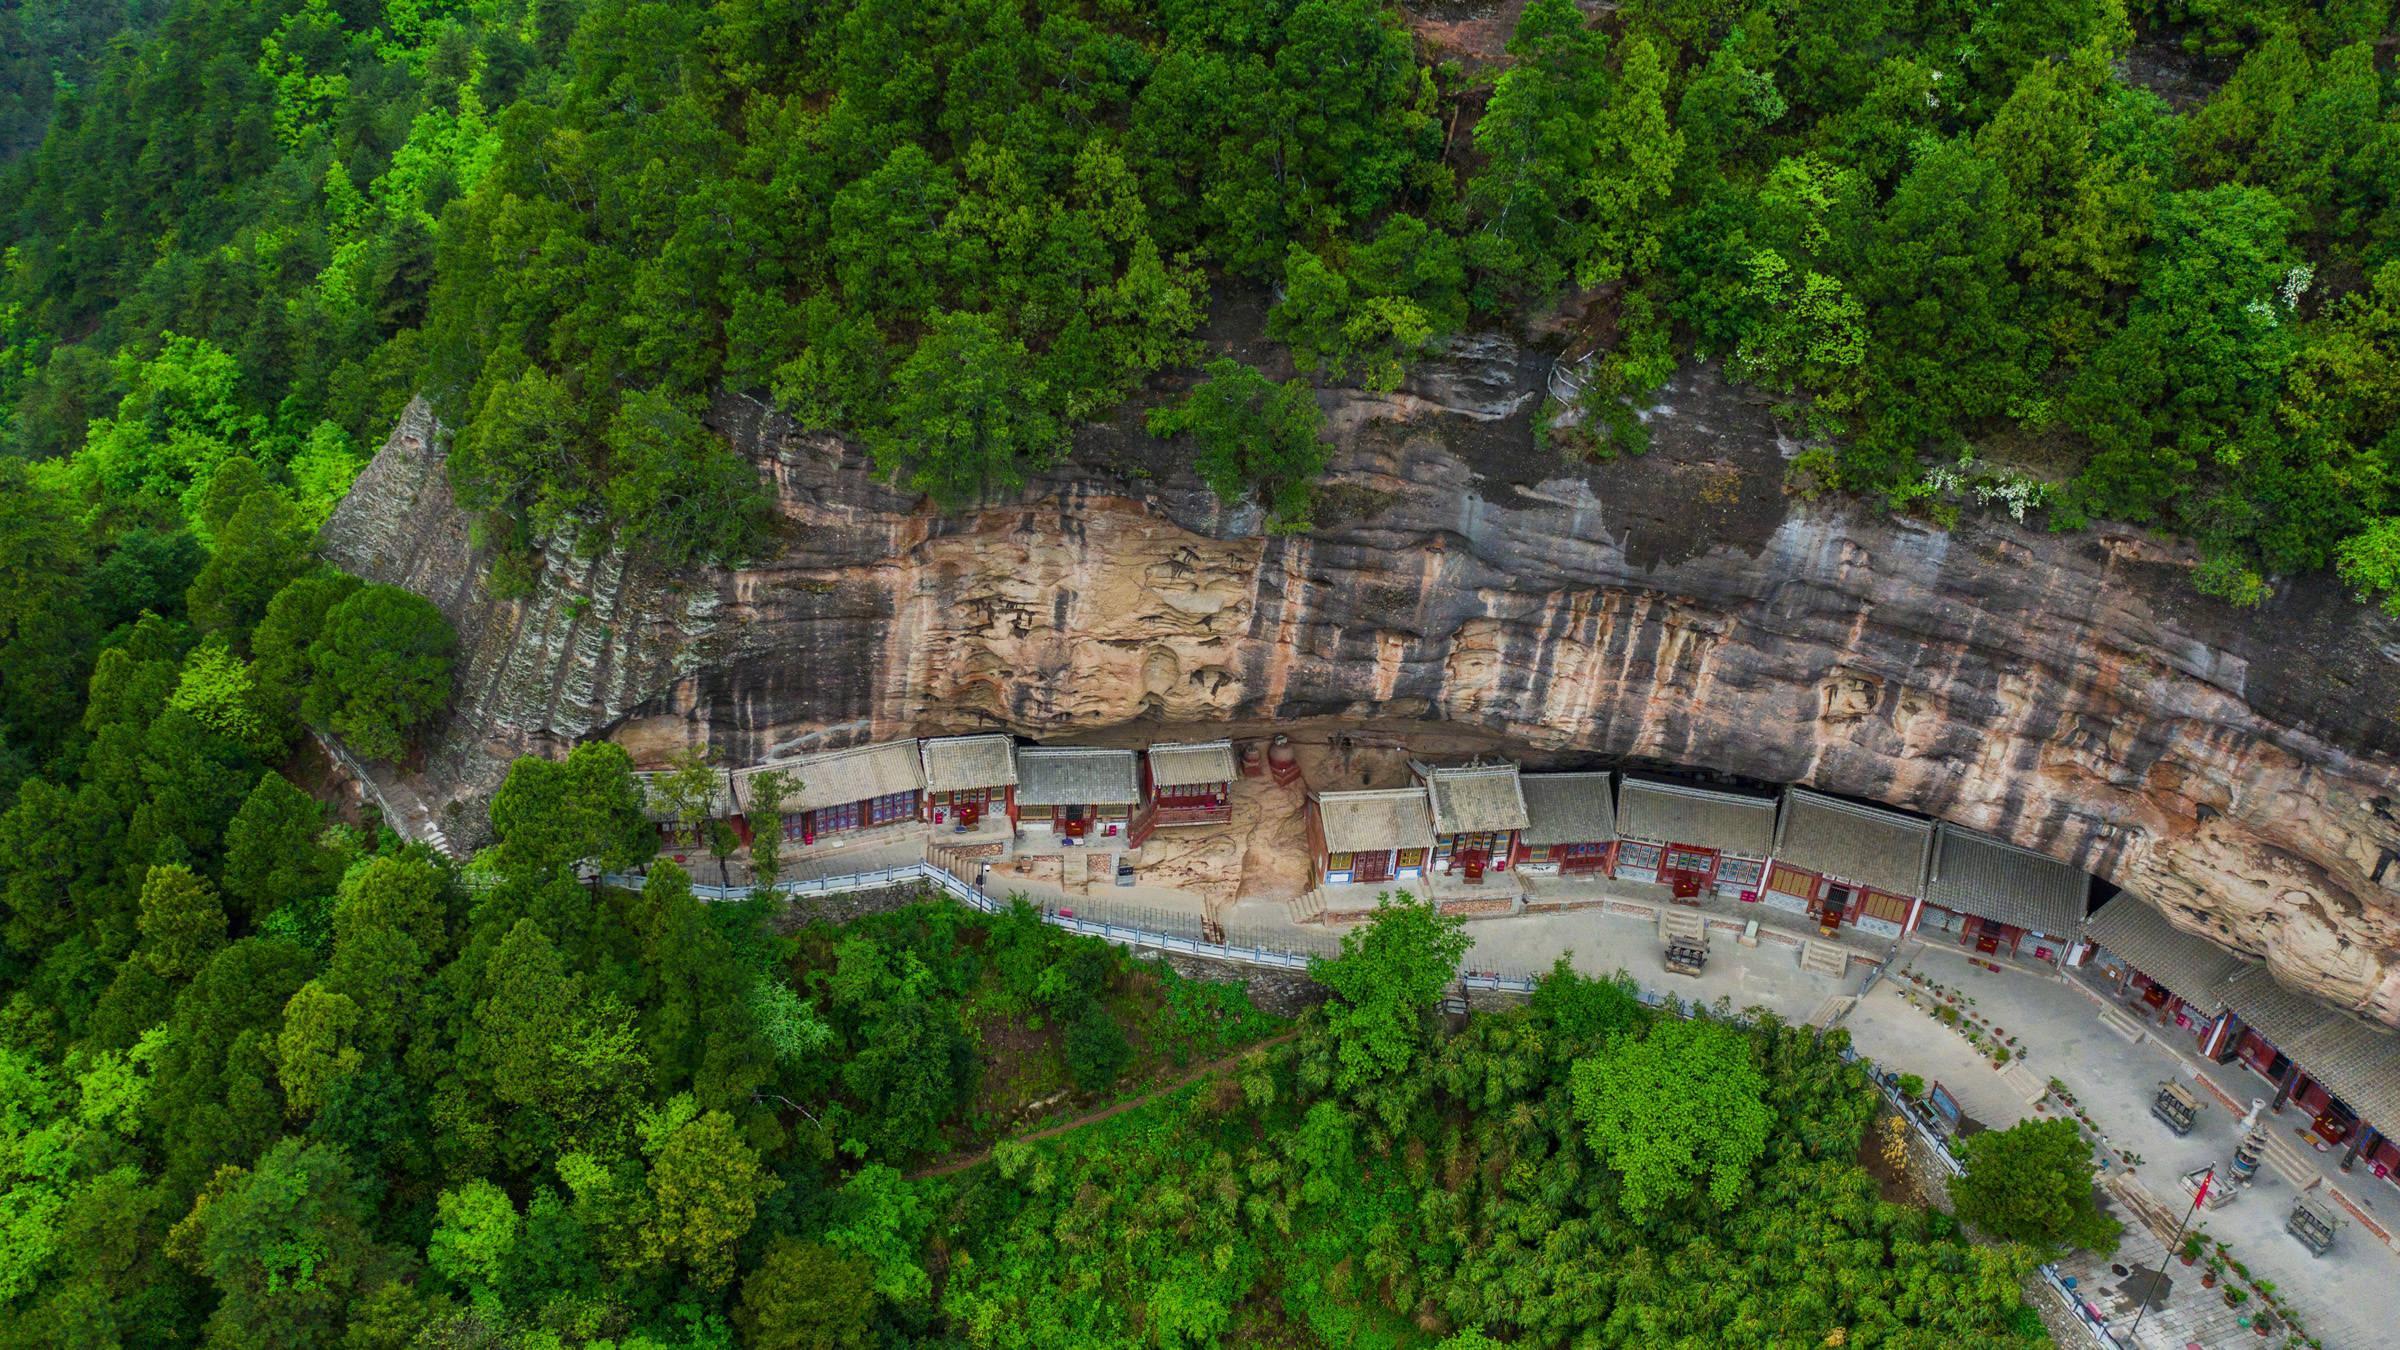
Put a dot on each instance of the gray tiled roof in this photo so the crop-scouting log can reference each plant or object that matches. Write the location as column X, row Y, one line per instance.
column 957, row 763
column 1977, row 874
column 2284, row 1016
column 1672, row 813
column 2356, row 1062
column 839, row 777
column 1371, row 821
column 1076, row 775
column 1191, row 765
column 1568, row 808
column 1862, row 844
column 2187, row 963
column 1466, row 798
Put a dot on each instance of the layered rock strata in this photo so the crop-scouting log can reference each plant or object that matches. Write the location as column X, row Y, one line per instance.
column 2070, row 692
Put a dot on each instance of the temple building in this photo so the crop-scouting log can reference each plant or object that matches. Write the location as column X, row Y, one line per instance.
column 841, row 795
column 1570, row 824
column 2174, row 974
column 1079, row 794
column 1999, row 899
column 1843, row 863
column 1361, row 838
column 1187, row 784
column 2342, row 1073
column 970, row 783
column 1695, row 840
column 1477, row 810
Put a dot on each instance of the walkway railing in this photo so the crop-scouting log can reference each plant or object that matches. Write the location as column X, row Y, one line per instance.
column 972, row 896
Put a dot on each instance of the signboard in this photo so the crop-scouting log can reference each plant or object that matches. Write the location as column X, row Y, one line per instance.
column 1943, row 1104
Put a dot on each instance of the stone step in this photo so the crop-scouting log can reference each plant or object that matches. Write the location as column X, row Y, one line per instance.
column 1829, row 1008
column 1308, row 907
column 2123, row 1023
column 1674, row 921
column 2024, row 1083
column 2285, row 1159
column 1825, row 958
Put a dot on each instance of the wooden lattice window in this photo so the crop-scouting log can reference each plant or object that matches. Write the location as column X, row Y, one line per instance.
column 1887, row 907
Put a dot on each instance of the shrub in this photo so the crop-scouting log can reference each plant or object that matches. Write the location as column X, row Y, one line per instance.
column 1097, row 1051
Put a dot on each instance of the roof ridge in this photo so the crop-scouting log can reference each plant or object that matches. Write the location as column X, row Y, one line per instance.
column 1691, row 790
column 1900, row 814
column 1943, row 829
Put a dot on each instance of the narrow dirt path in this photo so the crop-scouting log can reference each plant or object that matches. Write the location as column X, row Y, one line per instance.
column 1191, row 1076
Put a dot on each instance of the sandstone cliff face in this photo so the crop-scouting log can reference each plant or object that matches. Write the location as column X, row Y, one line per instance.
column 2069, row 692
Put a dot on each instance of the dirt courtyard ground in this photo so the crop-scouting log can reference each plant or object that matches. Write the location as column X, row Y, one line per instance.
column 1261, row 855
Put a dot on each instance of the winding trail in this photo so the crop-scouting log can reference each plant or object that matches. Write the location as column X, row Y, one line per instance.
column 1189, row 1077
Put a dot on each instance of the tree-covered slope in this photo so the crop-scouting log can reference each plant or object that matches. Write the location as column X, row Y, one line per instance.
column 1982, row 265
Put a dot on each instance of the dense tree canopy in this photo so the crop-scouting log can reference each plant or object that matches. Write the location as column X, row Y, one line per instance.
column 1978, row 264
column 380, row 669
column 1681, row 1105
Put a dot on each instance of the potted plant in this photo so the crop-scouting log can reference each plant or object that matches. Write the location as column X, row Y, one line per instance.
column 2262, row 1322
column 2236, row 1296
column 2191, row 1249
column 2208, row 1276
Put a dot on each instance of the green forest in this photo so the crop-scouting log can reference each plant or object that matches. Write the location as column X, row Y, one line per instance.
column 271, row 1076
column 1979, row 264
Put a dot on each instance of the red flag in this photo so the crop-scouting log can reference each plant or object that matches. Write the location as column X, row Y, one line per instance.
column 2205, row 1178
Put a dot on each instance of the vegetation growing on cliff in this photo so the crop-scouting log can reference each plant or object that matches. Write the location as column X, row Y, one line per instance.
column 954, row 230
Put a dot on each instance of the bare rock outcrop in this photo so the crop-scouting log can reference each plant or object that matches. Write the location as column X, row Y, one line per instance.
column 2068, row 691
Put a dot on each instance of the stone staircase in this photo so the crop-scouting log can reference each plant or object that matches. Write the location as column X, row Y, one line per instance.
column 403, row 810
column 2124, row 1024
column 1832, row 1007
column 1309, row 907
column 2021, row 1081
column 1824, row 958
column 1674, row 922
column 959, row 861
column 2284, row 1158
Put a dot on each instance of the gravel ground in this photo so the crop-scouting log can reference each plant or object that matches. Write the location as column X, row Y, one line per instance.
column 846, row 906
column 1286, row 993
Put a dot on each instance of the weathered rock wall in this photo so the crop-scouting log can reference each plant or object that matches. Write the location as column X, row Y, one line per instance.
column 2070, row 692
